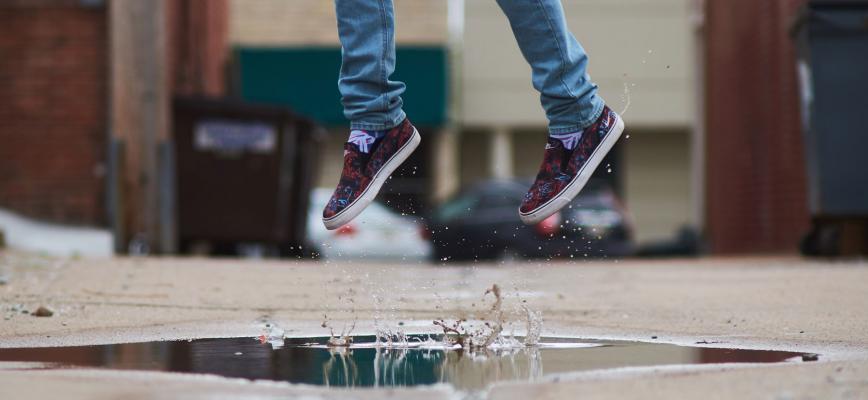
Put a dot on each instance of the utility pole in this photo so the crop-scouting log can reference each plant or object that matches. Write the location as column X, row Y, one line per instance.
column 138, row 125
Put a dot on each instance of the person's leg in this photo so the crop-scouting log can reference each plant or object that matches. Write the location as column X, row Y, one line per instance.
column 581, row 128
column 367, row 33
column 381, row 137
column 559, row 63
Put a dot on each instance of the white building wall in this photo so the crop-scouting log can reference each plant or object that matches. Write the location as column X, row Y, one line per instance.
column 644, row 45
column 312, row 22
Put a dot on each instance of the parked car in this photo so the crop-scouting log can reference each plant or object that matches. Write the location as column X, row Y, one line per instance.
column 378, row 233
column 483, row 223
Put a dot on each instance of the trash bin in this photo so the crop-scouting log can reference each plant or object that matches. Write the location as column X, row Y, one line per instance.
column 832, row 61
column 244, row 174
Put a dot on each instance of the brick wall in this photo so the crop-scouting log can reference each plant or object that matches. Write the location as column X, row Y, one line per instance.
column 755, row 183
column 198, row 38
column 53, row 67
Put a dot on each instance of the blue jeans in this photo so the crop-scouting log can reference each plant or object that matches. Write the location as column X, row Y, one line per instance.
column 373, row 102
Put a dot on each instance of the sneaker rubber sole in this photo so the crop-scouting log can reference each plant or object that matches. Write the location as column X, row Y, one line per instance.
column 356, row 207
column 575, row 186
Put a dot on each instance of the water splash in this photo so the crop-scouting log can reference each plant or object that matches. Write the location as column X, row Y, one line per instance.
column 345, row 338
column 272, row 334
column 534, row 326
column 339, row 357
column 488, row 333
column 392, row 339
column 482, row 334
column 625, row 97
column 496, row 329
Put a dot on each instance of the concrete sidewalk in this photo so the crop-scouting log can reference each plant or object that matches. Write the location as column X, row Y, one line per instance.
column 765, row 303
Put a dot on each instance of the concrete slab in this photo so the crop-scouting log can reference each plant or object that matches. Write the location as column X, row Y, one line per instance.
column 767, row 303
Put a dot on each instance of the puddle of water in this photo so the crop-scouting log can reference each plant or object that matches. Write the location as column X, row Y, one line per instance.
column 364, row 364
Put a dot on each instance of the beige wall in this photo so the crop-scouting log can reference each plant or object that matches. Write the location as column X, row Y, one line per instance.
column 474, row 157
column 645, row 44
column 312, row 22
column 657, row 182
column 331, row 159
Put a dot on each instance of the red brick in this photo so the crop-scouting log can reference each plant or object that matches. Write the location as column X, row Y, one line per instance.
column 756, row 187
column 53, row 106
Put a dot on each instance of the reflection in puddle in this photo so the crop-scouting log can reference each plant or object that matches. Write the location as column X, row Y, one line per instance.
column 365, row 365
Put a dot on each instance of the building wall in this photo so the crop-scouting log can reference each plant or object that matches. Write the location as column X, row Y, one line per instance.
column 312, row 22
column 639, row 50
column 474, row 157
column 53, row 104
column 637, row 46
column 756, row 173
column 55, row 85
column 198, row 40
column 657, row 182
column 331, row 159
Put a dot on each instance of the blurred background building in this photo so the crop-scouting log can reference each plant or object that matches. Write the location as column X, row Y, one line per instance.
column 708, row 88
column 86, row 107
column 642, row 58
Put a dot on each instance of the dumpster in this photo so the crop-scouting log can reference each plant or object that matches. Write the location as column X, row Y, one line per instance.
column 832, row 42
column 244, row 174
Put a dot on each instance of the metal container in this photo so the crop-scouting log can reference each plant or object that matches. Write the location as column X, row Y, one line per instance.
column 832, row 66
column 832, row 62
column 244, row 175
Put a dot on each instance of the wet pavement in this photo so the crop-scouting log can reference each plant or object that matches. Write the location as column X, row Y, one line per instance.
column 781, row 304
column 423, row 361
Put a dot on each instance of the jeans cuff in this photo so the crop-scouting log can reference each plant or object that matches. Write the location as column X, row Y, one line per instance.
column 392, row 121
column 597, row 111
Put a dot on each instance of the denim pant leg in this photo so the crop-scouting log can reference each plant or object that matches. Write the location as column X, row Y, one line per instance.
column 558, row 62
column 367, row 33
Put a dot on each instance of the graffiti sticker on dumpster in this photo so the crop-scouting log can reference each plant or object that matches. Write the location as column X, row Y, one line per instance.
column 227, row 136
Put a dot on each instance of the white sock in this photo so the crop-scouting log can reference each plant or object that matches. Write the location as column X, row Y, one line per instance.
column 570, row 140
column 364, row 139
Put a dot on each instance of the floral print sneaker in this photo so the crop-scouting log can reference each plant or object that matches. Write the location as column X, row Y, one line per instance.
column 564, row 172
column 364, row 173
